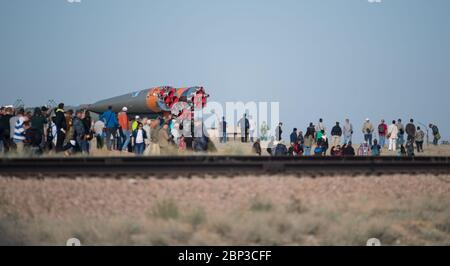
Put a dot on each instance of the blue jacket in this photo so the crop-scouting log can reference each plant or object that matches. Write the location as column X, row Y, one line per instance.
column 110, row 119
column 293, row 137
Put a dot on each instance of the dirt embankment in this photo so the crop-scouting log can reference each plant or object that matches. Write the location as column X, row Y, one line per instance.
column 399, row 209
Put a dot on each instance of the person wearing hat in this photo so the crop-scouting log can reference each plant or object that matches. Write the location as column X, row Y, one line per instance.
column 124, row 128
column 367, row 131
column 135, row 123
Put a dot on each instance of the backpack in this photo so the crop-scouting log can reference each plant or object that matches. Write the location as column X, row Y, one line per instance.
column 318, row 150
column 280, row 150
column 381, row 129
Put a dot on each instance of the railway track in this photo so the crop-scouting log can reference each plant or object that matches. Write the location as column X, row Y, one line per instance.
column 214, row 165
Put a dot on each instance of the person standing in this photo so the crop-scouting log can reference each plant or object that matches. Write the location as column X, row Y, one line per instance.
column 134, row 123
column 33, row 139
column 320, row 127
column 88, row 133
column 392, row 136
column 164, row 139
column 252, row 128
column 78, row 131
column 367, row 131
column 124, row 124
column 154, row 138
column 139, row 137
column 111, row 124
column 12, row 122
column 148, row 130
column 419, row 137
column 244, row 125
column 293, row 136
column 19, row 131
column 223, row 130
column 300, row 138
column 410, row 130
column 61, row 127
column 2, row 128
column 401, row 133
column 52, row 134
column 279, row 131
column 175, row 133
column 38, row 122
column 436, row 134
column 4, row 124
column 309, row 139
column 99, row 129
column 336, row 133
column 347, row 131
column 69, row 115
column 382, row 131
column 409, row 148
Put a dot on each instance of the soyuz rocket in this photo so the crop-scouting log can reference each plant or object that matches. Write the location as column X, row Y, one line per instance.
column 154, row 101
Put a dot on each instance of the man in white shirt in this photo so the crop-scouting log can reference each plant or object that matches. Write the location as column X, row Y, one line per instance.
column 99, row 127
column 347, row 131
column 392, row 135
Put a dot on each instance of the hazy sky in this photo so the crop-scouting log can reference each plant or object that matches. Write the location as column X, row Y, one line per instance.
column 318, row 58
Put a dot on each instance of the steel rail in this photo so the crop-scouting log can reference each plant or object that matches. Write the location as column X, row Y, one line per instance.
column 226, row 165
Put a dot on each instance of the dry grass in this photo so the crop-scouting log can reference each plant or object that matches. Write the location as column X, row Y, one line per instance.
column 235, row 147
column 279, row 210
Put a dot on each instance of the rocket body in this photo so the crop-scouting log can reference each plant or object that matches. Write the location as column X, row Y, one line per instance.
column 153, row 101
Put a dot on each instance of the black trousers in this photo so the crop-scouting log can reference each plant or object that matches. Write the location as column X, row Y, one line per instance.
column 7, row 142
column 244, row 137
column 419, row 145
column 60, row 140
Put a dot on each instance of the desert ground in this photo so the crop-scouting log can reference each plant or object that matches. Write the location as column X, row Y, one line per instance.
column 215, row 210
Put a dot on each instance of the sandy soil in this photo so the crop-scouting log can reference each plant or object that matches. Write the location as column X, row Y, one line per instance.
column 95, row 197
column 282, row 210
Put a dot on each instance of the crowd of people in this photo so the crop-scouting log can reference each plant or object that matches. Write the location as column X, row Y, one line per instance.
column 46, row 130
column 404, row 140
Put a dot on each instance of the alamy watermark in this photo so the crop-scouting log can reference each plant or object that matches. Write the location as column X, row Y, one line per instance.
column 259, row 118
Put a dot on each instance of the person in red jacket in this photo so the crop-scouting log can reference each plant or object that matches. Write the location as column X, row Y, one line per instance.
column 124, row 124
column 382, row 131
